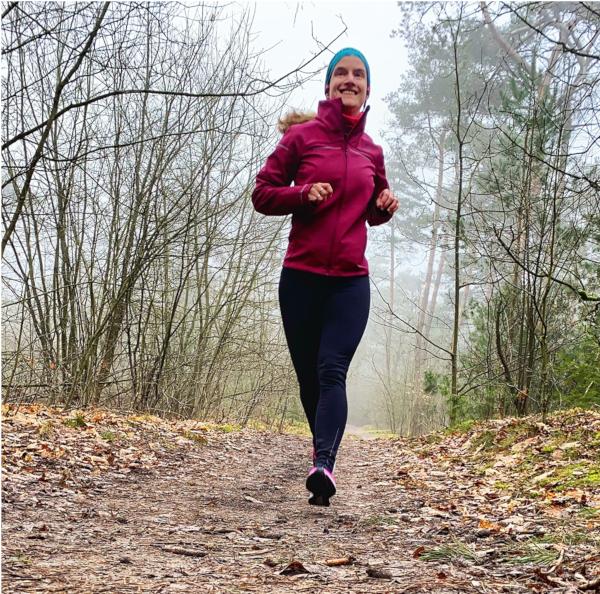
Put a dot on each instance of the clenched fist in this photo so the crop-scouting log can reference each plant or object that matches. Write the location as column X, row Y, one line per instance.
column 319, row 192
column 387, row 201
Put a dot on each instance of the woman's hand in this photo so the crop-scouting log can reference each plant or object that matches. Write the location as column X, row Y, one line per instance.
column 387, row 201
column 319, row 192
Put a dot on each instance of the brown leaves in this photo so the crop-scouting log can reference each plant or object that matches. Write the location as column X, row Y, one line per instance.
column 198, row 501
column 66, row 448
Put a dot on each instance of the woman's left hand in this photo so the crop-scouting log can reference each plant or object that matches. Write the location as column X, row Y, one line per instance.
column 387, row 201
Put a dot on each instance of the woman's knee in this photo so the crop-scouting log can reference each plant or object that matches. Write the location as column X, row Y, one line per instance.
column 309, row 391
column 333, row 371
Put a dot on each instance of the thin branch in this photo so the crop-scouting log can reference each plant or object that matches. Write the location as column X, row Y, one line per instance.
column 415, row 331
column 264, row 89
column 581, row 293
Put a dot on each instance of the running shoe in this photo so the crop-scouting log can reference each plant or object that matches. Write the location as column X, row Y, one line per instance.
column 321, row 483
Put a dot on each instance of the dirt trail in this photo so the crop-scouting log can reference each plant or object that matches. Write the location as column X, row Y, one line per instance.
column 358, row 432
column 222, row 514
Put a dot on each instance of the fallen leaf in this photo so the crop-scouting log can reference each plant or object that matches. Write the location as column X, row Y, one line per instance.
column 294, row 568
column 491, row 526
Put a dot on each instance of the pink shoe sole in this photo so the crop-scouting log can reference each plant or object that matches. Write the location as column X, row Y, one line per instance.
column 321, row 483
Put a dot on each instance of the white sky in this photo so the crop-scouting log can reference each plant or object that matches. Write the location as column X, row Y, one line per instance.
column 289, row 26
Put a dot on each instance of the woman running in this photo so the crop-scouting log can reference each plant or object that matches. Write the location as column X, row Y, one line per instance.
column 324, row 295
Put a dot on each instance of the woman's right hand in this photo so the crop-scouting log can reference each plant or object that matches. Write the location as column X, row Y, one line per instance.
column 319, row 192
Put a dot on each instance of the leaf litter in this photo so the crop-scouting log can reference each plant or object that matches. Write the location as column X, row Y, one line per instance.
column 100, row 501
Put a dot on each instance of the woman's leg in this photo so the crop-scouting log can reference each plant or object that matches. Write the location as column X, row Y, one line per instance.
column 345, row 315
column 300, row 305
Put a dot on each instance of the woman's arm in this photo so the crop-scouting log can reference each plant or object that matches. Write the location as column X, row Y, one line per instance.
column 375, row 215
column 272, row 194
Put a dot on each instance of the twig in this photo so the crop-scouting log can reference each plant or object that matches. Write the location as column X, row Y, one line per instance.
column 183, row 551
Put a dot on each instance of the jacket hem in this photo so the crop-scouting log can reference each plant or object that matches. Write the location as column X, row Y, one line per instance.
column 323, row 271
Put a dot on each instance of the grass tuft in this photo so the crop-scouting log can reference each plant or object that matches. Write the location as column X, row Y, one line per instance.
column 449, row 552
column 76, row 422
column 536, row 553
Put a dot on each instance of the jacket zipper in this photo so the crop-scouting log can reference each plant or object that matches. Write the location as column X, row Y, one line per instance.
column 346, row 136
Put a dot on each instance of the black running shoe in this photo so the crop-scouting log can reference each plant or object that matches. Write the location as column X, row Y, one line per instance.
column 321, row 483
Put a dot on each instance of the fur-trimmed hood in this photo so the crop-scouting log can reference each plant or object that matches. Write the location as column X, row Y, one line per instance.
column 294, row 117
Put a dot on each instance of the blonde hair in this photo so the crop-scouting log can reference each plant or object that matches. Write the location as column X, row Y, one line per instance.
column 294, row 117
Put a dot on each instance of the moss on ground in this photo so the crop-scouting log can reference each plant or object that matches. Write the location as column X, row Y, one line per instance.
column 461, row 428
column 577, row 475
column 485, row 441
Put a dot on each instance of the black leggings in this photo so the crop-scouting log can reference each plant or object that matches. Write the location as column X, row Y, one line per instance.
column 324, row 318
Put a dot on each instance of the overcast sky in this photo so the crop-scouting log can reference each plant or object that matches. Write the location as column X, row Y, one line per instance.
column 289, row 26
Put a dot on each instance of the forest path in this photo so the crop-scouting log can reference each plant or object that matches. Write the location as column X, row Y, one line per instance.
column 206, row 510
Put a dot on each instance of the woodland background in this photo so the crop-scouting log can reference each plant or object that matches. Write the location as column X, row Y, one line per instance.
column 136, row 273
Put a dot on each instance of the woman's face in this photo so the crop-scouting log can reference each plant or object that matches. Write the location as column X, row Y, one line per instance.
column 349, row 81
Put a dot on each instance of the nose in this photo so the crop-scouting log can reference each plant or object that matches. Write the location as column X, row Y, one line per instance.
column 350, row 77
column 349, row 80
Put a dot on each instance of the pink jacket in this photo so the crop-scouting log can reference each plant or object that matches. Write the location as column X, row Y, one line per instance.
column 329, row 237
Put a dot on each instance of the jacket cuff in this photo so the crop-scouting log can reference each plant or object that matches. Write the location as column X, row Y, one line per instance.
column 377, row 216
column 304, row 190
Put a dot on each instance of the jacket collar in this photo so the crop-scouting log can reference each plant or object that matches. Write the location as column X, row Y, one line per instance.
column 330, row 113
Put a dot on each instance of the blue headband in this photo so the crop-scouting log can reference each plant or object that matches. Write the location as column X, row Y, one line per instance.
column 347, row 51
